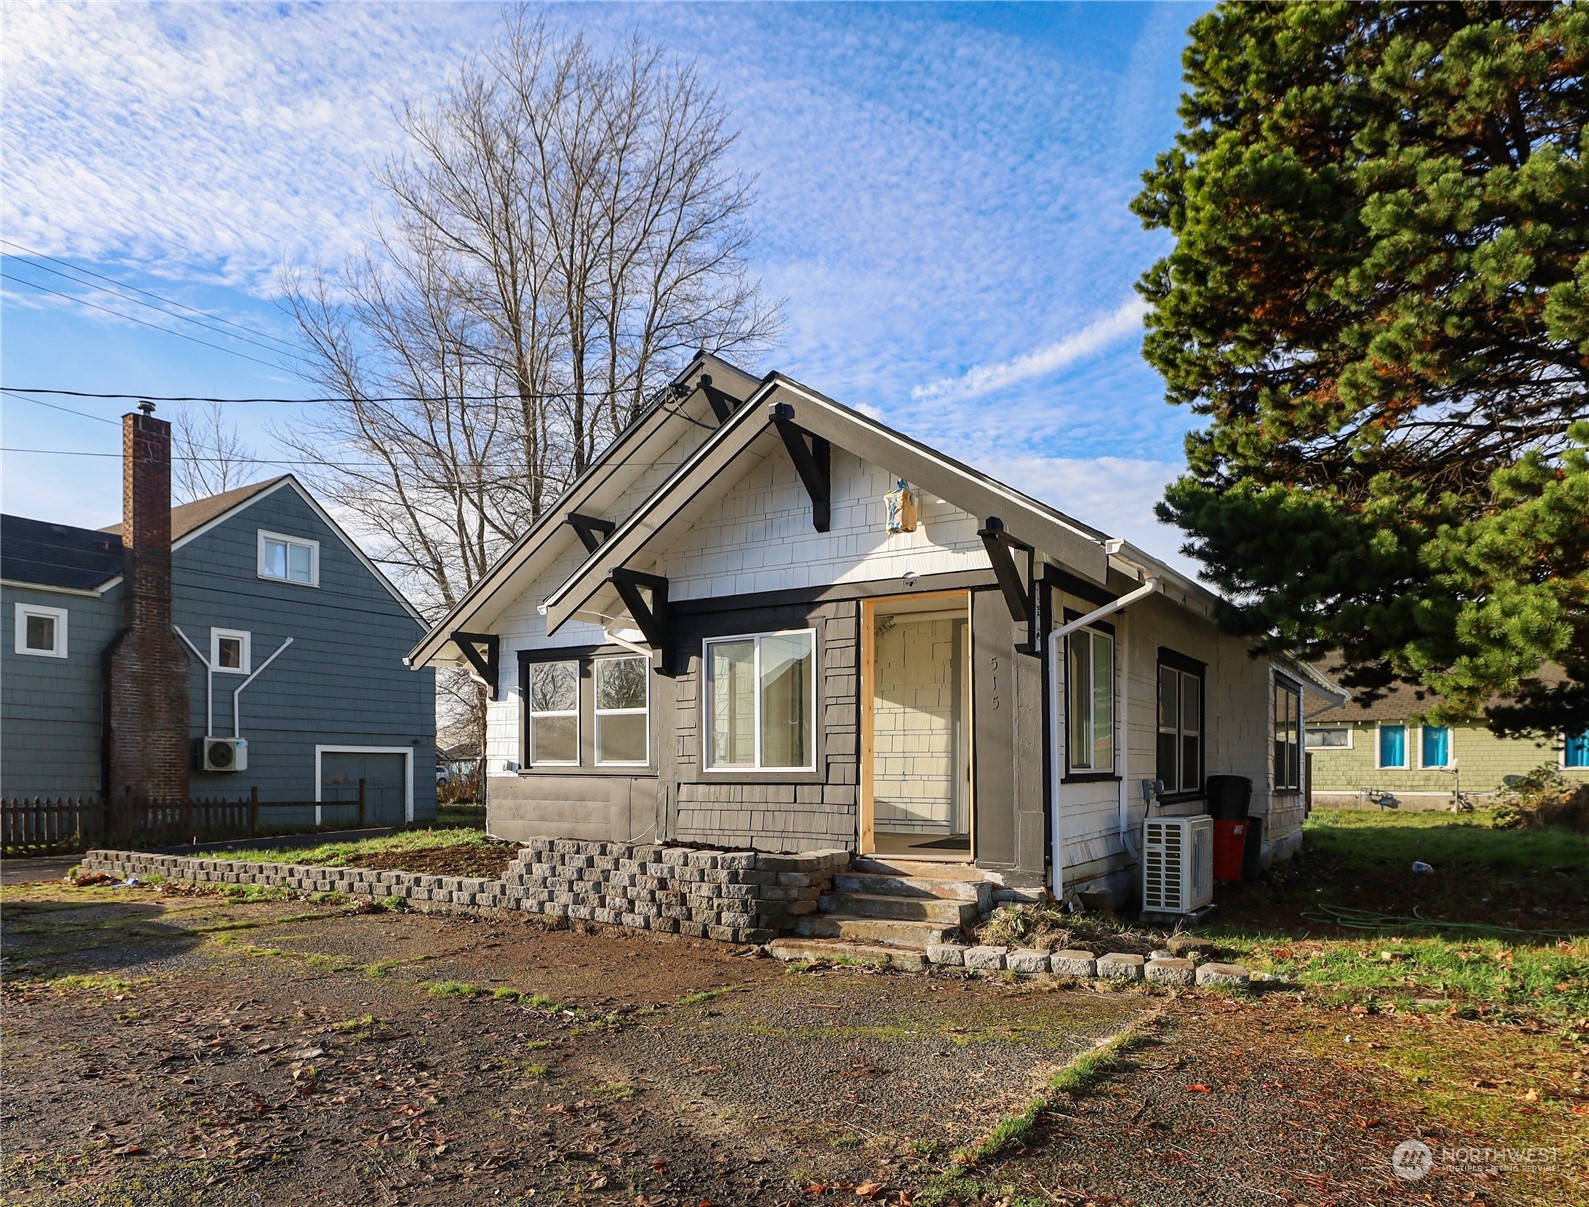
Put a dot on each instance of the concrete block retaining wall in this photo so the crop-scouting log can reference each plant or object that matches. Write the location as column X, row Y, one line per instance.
column 734, row 896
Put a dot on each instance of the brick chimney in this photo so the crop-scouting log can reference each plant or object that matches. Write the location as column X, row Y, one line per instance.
column 147, row 708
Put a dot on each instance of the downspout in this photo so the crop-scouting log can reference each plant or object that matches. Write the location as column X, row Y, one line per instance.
column 1057, row 712
column 209, row 683
column 237, row 731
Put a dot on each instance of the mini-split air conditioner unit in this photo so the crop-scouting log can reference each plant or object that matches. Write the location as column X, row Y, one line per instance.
column 1177, row 864
column 223, row 754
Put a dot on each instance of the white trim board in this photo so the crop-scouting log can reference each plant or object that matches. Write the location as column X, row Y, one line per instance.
column 408, row 773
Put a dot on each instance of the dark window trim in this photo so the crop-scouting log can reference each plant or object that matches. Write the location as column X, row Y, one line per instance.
column 1091, row 777
column 585, row 656
column 1103, row 626
column 1186, row 665
column 1081, row 588
column 1284, row 682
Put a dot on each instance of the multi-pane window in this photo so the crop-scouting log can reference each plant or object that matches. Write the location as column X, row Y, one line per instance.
column 1434, row 746
column 1288, row 735
column 41, row 630
column 1091, row 698
column 1329, row 737
column 554, row 713
column 622, row 719
column 1575, row 751
column 1180, row 761
column 290, row 559
column 761, row 702
column 1391, row 752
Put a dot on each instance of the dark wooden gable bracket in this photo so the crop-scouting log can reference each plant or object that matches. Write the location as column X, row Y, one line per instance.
column 812, row 462
column 592, row 531
column 650, row 617
column 484, row 653
column 723, row 403
column 1020, row 591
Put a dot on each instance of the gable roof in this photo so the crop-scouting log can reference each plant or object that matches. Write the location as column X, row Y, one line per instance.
column 1401, row 701
column 38, row 553
column 189, row 517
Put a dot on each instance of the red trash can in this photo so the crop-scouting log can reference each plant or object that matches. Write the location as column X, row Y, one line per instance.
column 1230, row 846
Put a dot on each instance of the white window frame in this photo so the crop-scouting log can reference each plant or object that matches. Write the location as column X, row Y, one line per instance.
column 706, row 704
column 1349, row 730
column 1071, row 704
column 531, row 759
column 1451, row 749
column 598, row 712
column 1406, row 746
column 304, row 542
column 246, row 660
column 1562, row 761
column 58, row 615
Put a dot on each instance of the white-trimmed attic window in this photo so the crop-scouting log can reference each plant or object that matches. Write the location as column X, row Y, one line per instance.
column 289, row 559
column 41, row 630
column 231, row 651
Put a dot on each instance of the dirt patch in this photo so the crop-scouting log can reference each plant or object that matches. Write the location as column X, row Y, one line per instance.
column 490, row 862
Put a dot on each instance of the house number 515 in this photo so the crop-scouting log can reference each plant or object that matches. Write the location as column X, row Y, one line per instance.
column 993, row 681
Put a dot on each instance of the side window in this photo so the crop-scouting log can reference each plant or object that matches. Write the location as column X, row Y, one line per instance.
column 623, row 724
column 41, row 631
column 554, row 713
column 1391, row 752
column 1434, row 746
column 231, row 651
column 1575, row 752
column 289, row 559
column 1090, row 682
column 1288, row 735
column 1180, row 754
column 1329, row 737
column 761, row 702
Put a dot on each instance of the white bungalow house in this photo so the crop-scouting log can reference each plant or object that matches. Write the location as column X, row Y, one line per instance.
column 765, row 620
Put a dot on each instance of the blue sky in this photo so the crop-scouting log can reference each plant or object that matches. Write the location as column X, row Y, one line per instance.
column 943, row 196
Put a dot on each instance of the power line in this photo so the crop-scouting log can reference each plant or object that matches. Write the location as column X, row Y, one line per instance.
column 73, row 269
column 108, row 397
column 134, row 319
column 68, row 410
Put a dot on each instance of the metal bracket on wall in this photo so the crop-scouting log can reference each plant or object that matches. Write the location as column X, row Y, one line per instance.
column 591, row 530
column 812, row 462
column 484, row 653
column 650, row 616
column 723, row 403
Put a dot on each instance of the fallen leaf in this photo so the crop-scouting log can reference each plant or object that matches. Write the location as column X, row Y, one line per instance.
column 1199, row 1088
column 868, row 1190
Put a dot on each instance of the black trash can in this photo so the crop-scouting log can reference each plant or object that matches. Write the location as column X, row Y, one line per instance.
column 1229, row 797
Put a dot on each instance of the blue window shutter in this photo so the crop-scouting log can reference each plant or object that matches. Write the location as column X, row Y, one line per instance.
column 1578, row 749
column 1436, row 746
column 1392, row 745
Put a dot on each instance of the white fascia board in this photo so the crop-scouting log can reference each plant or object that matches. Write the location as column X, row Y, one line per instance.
column 85, row 592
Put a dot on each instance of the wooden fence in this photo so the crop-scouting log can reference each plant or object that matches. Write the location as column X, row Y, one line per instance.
column 63, row 825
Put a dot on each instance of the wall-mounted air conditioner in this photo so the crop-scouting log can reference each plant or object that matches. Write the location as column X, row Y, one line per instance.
column 1177, row 864
column 223, row 754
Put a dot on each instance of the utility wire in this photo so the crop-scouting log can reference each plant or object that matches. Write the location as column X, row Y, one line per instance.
column 134, row 319
column 71, row 269
column 68, row 410
column 504, row 397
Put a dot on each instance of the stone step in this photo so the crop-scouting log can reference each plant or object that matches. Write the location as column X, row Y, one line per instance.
column 885, row 884
column 944, row 911
column 915, row 869
column 890, row 932
column 838, row 951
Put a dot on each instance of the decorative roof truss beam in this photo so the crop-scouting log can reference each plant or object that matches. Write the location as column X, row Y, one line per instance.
column 813, row 462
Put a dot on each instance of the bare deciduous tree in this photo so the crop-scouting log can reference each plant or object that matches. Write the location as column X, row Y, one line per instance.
column 567, row 234
column 208, row 456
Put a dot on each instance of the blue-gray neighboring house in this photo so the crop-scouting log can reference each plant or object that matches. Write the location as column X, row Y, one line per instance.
column 285, row 641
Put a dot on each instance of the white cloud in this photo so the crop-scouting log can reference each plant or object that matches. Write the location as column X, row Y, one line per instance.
column 1125, row 320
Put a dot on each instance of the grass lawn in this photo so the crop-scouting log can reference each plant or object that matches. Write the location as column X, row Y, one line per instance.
column 1500, row 928
column 345, row 854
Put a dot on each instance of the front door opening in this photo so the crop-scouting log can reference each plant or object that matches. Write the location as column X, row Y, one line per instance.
column 917, row 765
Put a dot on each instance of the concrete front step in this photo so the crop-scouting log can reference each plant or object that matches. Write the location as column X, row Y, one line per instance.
column 890, row 932
column 905, row 909
column 839, row 951
column 915, row 869
column 885, row 884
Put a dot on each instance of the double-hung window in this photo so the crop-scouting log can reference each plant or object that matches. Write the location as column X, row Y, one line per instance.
column 1434, row 747
column 1575, row 750
column 1180, row 755
column 760, row 702
column 622, row 717
column 41, row 630
column 1288, row 735
column 289, row 559
column 554, row 714
column 1090, row 690
column 1391, row 748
